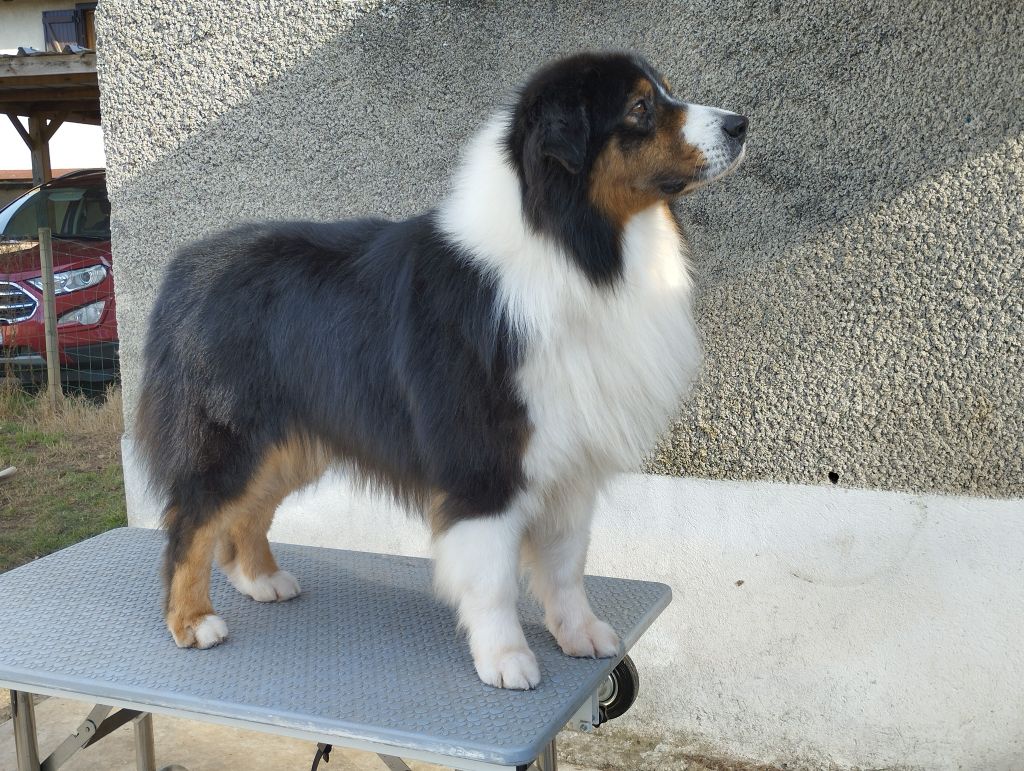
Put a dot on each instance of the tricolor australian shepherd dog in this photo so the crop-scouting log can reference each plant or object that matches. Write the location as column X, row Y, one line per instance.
column 491, row 362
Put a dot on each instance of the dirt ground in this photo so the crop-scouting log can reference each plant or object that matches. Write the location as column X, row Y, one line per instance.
column 612, row 748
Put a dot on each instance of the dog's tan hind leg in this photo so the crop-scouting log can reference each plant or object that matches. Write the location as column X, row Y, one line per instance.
column 243, row 551
column 189, row 612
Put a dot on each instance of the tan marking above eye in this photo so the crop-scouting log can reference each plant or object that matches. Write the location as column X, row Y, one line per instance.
column 641, row 99
column 643, row 89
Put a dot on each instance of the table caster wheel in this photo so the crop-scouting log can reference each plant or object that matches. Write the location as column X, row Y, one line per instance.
column 617, row 694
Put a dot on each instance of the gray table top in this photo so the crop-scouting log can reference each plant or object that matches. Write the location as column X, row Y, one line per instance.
column 365, row 654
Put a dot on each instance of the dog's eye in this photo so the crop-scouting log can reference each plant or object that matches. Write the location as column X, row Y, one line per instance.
column 639, row 108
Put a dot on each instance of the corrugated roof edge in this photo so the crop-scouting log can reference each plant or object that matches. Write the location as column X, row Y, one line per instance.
column 70, row 49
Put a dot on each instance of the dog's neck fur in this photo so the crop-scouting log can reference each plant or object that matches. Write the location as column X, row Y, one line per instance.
column 484, row 214
column 556, row 206
column 623, row 354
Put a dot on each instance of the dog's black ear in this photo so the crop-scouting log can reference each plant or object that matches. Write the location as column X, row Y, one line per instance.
column 564, row 133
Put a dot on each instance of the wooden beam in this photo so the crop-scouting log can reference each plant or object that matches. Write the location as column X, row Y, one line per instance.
column 92, row 118
column 51, row 127
column 21, row 129
column 58, row 93
column 58, row 64
column 51, row 108
column 48, row 81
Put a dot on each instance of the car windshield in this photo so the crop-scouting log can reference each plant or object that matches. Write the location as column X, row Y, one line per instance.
column 74, row 212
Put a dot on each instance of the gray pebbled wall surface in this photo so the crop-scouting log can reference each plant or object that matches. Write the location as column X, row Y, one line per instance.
column 861, row 278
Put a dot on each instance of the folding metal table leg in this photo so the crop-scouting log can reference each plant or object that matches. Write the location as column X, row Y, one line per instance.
column 548, row 760
column 393, row 763
column 145, row 752
column 26, row 747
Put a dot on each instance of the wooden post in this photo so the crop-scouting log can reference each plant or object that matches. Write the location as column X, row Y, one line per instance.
column 39, row 144
column 38, row 141
column 53, row 388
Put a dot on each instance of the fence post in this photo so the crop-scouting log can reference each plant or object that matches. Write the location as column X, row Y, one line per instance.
column 50, row 318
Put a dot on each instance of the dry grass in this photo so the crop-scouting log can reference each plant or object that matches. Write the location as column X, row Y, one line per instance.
column 68, row 484
column 79, row 415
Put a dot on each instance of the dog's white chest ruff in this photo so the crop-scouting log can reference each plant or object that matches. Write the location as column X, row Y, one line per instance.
column 605, row 367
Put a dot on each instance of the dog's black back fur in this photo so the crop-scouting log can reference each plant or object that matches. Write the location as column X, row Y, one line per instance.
column 357, row 335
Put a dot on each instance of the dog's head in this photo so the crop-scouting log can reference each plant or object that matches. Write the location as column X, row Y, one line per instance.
column 608, row 125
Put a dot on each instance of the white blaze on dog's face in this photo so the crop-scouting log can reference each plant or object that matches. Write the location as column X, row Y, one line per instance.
column 719, row 135
column 661, row 148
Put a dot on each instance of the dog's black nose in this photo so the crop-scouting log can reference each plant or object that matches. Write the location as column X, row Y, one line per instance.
column 735, row 125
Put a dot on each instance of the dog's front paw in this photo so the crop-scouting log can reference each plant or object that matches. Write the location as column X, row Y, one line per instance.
column 277, row 587
column 592, row 639
column 514, row 668
column 200, row 632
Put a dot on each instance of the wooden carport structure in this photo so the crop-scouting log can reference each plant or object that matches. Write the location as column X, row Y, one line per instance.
column 48, row 88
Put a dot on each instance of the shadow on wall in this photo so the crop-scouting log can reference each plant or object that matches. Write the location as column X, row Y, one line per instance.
column 861, row 276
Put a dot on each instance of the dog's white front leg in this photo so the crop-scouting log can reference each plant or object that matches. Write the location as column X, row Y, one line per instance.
column 477, row 570
column 555, row 551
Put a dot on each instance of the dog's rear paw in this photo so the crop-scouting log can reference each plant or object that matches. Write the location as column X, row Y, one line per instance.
column 201, row 632
column 276, row 587
column 514, row 668
column 593, row 639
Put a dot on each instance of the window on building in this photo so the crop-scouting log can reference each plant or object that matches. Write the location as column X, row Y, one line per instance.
column 88, row 20
column 75, row 26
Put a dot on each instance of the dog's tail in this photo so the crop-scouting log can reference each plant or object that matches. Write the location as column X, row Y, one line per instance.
column 163, row 416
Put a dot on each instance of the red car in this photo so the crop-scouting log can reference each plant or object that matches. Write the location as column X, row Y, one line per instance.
column 83, row 281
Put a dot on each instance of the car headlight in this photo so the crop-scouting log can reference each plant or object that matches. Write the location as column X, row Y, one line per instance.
column 86, row 315
column 73, row 280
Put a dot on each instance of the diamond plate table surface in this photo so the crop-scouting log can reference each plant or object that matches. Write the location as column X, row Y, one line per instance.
column 365, row 653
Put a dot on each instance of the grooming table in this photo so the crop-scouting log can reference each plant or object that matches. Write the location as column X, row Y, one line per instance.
column 365, row 657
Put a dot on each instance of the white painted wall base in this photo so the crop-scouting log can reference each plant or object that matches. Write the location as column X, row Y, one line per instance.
column 813, row 625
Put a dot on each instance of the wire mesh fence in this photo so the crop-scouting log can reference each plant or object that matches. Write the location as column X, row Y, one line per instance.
column 76, row 210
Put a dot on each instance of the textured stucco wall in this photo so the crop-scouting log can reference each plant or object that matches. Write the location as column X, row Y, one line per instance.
column 861, row 277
